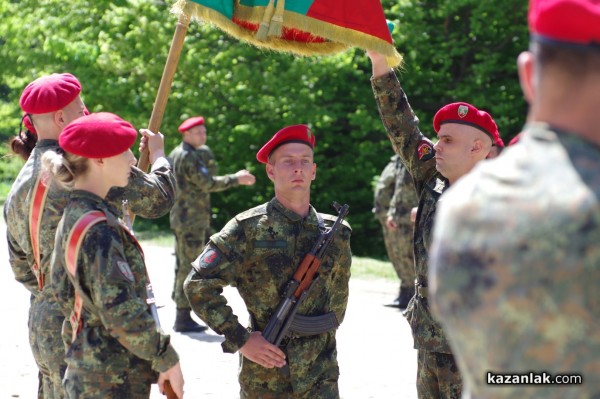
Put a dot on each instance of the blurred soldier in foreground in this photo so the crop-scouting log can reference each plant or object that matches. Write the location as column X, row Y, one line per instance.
column 516, row 257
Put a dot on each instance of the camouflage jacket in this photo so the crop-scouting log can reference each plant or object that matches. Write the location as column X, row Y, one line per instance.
column 258, row 252
column 149, row 195
column 417, row 154
column 515, row 264
column 118, row 330
column 195, row 181
column 395, row 193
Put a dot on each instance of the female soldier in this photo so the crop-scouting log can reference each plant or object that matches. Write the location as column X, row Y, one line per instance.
column 50, row 103
column 116, row 348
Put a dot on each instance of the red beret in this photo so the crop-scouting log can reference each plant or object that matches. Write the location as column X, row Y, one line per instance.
column 49, row 93
column 190, row 123
column 499, row 142
column 98, row 135
column 28, row 125
column 466, row 114
column 289, row 134
column 565, row 21
column 515, row 139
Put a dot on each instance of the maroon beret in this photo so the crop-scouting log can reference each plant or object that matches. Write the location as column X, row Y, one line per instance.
column 466, row 114
column 289, row 134
column 190, row 123
column 49, row 93
column 565, row 21
column 28, row 125
column 97, row 135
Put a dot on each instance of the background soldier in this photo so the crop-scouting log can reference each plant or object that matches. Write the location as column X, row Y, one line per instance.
column 50, row 103
column 117, row 349
column 516, row 260
column 258, row 252
column 465, row 137
column 394, row 198
column 195, row 170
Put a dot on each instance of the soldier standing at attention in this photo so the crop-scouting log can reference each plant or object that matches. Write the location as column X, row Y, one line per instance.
column 33, row 209
column 515, row 261
column 394, row 198
column 117, row 349
column 195, row 171
column 258, row 252
column 465, row 137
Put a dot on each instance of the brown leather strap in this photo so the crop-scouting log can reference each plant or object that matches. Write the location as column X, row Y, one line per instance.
column 36, row 210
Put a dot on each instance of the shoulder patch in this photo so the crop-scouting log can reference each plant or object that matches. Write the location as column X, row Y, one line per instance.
column 250, row 213
column 425, row 150
column 124, row 270
column 330, row 220
column 209, row 258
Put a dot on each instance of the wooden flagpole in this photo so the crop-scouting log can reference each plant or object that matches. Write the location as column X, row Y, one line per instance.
column 165, row 84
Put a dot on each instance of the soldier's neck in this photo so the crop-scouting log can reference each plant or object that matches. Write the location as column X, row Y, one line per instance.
column 297, row 204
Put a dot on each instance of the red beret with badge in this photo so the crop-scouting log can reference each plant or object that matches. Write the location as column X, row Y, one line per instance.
column 49, row 93
column 290, row 134
column 190, row 123
column 466, row 114
column 97, row 135
column 573, row 22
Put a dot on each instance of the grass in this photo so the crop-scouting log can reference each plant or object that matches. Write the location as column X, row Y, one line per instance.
column 362, row 267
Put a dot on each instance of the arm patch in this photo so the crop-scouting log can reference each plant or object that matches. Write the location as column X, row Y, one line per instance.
column 208, row 259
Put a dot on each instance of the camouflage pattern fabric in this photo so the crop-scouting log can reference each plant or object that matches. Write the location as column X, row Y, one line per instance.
column 119, row 350
column 258, row 252
column 195, row 182
column 417, row 154
column 516, row 266
column 438, row 376
column 149, row 195
column 188, row 245
column 395, row 197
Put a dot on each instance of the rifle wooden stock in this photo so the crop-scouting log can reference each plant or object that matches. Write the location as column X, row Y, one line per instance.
column 169, row 392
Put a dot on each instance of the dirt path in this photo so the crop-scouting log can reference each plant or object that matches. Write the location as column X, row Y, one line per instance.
column 374, row 342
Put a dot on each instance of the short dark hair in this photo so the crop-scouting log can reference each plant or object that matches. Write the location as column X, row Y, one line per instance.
column 575, row 60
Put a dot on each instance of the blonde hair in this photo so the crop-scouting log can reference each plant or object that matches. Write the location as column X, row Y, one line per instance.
column 63, row 167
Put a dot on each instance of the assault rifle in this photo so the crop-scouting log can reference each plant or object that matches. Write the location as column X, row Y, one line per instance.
column 285, row 319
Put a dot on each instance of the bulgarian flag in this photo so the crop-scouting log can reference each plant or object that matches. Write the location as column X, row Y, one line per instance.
column 304, row 27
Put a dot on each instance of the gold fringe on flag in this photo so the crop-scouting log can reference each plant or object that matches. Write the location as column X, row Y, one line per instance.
column 337, row 38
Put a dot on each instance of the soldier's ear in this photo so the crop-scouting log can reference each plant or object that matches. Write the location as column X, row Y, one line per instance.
column 525, row 67
column 269, row 169
column 314, row 173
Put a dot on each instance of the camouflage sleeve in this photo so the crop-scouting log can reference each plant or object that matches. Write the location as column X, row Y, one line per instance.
column 339, row 289
column 402, row 126
column 113, row 291
column 150, row 195
column 21, row 266
column 217, row 267
column 200, row 175
column 60, row 284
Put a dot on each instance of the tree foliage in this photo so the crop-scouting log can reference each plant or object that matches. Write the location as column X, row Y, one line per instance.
column 454, row 50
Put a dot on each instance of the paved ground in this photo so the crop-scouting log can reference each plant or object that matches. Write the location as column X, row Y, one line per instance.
column 374, row 342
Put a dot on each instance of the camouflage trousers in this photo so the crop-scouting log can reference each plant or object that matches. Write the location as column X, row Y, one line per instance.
column 438, row 376
column 399, row 248
column 188, row 246
column 324, row 389
column 101, row 386
column 45, row 325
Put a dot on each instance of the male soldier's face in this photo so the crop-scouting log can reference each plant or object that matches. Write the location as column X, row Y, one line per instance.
column 291, row 168
column 72, row 111
column 455, row 152
column 196, row 136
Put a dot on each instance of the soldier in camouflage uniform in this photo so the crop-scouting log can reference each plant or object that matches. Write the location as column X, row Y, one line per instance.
column 515, row 262
column 465, row 137
column 394, row 198
column 51, row 102
column 258, row 252
column 117, row 350
column 196, row 172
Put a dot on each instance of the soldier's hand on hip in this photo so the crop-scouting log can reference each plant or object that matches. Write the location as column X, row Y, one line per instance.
column 260, row 351
column 154, row 142
column 245, row 178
